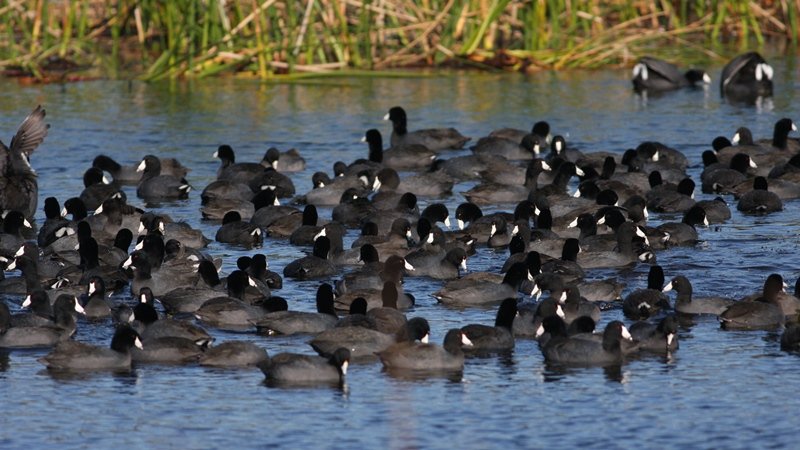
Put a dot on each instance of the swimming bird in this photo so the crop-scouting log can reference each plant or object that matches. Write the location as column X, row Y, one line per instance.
column 78, row 356
column 657, row 338
column 643, row 303
column 156, row 186
column 295, row 322
column 653, row 74
column 686, row 304
column 764, row 312
column 233, row 354
column 427, row 357
column 561, row 349
column 433, row 138
column 498, row 338
column 746, row 77
column 292, row 369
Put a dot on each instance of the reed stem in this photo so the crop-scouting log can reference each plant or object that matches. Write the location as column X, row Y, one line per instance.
column 198, row 38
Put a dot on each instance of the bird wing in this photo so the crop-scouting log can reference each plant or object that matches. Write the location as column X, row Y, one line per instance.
column 667, row 70
column 31, row 132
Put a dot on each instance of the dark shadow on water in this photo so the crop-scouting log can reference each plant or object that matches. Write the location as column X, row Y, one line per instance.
column 557, row 372
column 309, row 386
column 685, row 321
column 127, row 378
column 773, row 338
column 757, row 101
column 4, row 361
column 455, row 376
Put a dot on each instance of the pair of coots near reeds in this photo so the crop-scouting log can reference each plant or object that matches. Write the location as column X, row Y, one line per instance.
column 745, row 78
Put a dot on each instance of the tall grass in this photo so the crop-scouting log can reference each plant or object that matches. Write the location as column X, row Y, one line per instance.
column 154, row 39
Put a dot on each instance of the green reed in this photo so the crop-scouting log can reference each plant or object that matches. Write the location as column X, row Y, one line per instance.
column 271, row 39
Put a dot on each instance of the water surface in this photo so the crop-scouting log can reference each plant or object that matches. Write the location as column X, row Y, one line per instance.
column 721, row 389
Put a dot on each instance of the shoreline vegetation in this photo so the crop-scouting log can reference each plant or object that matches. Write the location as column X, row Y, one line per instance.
column 72, row 40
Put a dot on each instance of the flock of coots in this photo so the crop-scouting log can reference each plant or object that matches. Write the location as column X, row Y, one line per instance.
column 100, row 243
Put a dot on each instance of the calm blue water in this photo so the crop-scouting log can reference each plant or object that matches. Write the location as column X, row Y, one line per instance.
column 721, row 389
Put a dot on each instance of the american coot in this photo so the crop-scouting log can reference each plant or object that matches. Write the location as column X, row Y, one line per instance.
column 156, row 328
column 434, row 183
column 365, row 343
column 501, row 233
column 288, row 161
column 491, row 148
column 433, row 138
column 643, row 303
column 392, row 270
column 780, row 137
column 231, row 170
column 236, row 231
column 530, row 316
column 222, row 196
column 40, row 310
column 576, row 306
column 165, row 341
column 760, row 200
column 477, row 291
column 671, row 201
column 567, row 266
column 657, row 338
column 231, row 312
column 764, row 312
column 684, row 232
column 180, row 231
column 167, row 350
column 315, row 265
column 559, row 149
column 539, row 129
column 156, row 186
column 259, row 271
column 399, row 157
column 746, row 77
column 686, row 304
column 395, row 242
column 19, row 189
column 626, row 253
column 233, row 354
column 25, row 332
column 11, row 238
column 654, row 75
column 425, row 358
column 129, row 175
column 97, row 306
column 387, row 318
column 28, row 282
column 561, row 349
column 445, row 267
column 271, row 179
column 190, row 298
column 308, row 230
column 295, row 322
column 160, row 281
column 722, row 180
column 500, row 337
column 775, row 288
column 716, row 209
column 54, row 225
column 290, row 369
column 471, row 221
column 79, row 356
column 97, row 188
